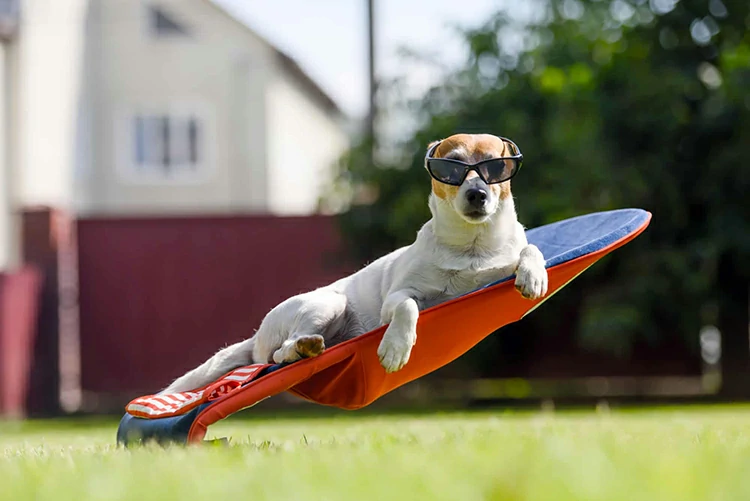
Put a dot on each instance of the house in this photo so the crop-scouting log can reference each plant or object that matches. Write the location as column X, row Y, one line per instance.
column 155, row 107
column 128, row 113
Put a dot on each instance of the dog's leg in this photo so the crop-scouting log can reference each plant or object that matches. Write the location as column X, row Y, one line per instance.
column 301, row 327
column 531, row 275
column 225, row 360
column 401, row 311
column 320, row 313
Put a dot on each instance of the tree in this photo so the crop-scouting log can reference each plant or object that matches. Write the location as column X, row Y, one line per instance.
column 614, row 104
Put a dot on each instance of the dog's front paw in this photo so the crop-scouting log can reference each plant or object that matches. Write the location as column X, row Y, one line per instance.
column 532, row 281
column 394, row 351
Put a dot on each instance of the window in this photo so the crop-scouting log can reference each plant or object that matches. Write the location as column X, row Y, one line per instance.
column 163, row 24
column 166, row 142
column 164, row 146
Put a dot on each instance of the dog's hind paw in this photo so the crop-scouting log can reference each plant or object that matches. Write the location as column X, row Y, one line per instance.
column 306, row 346
column 310, row 346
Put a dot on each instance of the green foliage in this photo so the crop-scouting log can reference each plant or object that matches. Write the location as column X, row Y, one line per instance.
column 614, row 104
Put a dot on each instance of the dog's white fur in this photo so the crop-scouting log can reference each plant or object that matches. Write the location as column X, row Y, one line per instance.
column 453, row 254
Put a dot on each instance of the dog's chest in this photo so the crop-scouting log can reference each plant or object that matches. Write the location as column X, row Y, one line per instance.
column 454, row 283
column 463, row 281
column 460, row 281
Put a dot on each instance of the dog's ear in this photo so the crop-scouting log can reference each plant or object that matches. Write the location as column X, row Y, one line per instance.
column 509, row 149
column 430, row 147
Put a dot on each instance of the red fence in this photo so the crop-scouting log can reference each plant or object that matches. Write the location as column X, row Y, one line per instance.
column 19, row 302
column 119, row 307
column 158, row 296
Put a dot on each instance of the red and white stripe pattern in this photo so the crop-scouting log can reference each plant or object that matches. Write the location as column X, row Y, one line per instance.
column 175, row 404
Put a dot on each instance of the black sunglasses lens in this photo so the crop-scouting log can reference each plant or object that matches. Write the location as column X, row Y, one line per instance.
column 498, row 171
column 446, row 172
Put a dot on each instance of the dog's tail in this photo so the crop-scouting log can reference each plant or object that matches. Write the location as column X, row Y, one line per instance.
column 223, row 361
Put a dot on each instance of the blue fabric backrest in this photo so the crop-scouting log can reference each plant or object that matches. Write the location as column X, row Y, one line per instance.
column 571, row 238
column 575, row 237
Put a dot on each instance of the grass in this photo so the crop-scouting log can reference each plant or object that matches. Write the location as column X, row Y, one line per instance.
column 679, row 454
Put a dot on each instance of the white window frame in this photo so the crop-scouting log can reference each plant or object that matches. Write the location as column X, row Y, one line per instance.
column 130, row 171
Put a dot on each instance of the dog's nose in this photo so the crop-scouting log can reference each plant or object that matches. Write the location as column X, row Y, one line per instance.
column 476, row 197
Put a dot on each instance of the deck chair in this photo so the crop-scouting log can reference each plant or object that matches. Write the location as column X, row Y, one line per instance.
column 349, row 375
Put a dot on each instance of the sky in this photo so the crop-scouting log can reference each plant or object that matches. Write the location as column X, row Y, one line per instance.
column 328, row 38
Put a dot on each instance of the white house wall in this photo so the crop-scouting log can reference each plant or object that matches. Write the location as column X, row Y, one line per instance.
column 49, row 76
column 304, row 141
column 10, row 235
column 7, row 238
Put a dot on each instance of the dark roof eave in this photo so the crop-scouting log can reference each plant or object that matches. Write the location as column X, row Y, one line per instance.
column 310, row 85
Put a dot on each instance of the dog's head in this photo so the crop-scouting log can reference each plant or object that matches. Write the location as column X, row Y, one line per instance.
column 471, row 172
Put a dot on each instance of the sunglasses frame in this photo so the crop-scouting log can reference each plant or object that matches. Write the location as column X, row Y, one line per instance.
column 518, row 158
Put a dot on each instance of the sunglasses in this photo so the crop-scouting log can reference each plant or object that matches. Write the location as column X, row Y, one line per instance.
column 491, row 171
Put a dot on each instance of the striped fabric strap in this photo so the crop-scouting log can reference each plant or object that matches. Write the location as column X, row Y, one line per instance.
column 175, row 404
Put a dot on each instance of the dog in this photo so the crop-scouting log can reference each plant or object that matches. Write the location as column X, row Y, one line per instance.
column 473, row 238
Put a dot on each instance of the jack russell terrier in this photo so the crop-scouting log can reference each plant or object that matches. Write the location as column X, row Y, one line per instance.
column 474, row 238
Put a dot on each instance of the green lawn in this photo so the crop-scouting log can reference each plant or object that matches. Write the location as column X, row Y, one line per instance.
column 666, row 454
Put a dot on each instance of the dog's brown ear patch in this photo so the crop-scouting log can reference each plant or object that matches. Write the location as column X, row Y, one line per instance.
column 441, row 190
column 508, row 149
column 433, row 143
column 504, row 188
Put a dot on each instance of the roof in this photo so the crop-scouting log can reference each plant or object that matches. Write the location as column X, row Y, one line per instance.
column 292, row 67
column 289, row 65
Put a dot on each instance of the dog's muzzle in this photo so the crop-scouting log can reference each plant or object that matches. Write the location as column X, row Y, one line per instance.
column 476, row 199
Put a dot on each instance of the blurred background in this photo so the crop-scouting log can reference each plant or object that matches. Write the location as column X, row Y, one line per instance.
column 172, row 169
